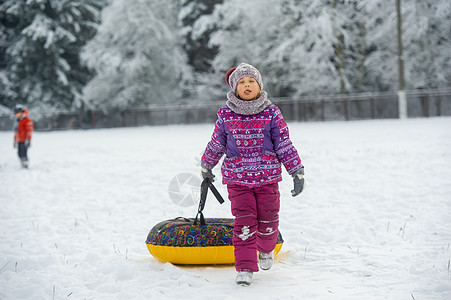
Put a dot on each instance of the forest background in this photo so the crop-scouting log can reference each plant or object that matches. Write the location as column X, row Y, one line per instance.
column 112, row 54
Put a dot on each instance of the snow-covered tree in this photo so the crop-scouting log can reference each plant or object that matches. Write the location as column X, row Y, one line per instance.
column 382, row 57
column 42, row 49
column 197, row 24
column 246, row 32
column 428, row 42
column 333, row 46
column 317, row 47
column 301, row 46
column 7, row 94
column 426, row 39
column 137, row 56
column 150, row 51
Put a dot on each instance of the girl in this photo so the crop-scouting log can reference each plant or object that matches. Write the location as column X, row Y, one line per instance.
column 253, row 135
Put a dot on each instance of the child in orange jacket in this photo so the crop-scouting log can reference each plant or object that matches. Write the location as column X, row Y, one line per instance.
column 23, row 127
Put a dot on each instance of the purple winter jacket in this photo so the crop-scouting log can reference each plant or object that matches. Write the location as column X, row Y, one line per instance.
column 255, row 146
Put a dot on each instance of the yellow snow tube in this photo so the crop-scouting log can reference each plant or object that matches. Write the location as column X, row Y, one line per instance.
column 179, row 241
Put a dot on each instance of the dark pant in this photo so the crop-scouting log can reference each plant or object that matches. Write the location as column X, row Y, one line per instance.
column 22, row 151
column 256, row 212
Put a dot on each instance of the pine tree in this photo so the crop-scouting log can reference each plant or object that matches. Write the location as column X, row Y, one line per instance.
column 302, row 47
column 247, row 32
column 426, row 39
column 197, row 23
column 7, row 94
column 428, row 36
column 136, row 56
column 44, row 38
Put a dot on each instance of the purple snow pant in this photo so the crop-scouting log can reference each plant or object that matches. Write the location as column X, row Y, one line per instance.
column 256, row 212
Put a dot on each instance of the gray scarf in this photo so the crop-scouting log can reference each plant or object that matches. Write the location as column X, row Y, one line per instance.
column 247, row 107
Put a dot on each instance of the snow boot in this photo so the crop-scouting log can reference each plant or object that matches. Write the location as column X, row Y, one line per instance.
column 24, row 163
column 265, row 260
column 244, row 278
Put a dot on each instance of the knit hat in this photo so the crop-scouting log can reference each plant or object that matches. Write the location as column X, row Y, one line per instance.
column 19, row 108
column 234, row 75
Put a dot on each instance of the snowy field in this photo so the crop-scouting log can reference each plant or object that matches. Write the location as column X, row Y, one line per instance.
column 373, row 223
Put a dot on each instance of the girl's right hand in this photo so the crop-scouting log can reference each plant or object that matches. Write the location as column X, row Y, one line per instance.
column 207, row 173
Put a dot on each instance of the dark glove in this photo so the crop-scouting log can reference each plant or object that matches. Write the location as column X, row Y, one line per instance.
column 299, row 182
column 207, row 173
column 15, row 144
column 27, row 144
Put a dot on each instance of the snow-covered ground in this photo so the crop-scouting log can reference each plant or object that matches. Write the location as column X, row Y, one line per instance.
column 373, row 223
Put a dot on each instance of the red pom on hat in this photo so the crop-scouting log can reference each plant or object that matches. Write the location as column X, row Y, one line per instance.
column 227, row 75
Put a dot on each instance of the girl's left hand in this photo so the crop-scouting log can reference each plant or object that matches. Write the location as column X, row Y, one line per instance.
column 299, row 182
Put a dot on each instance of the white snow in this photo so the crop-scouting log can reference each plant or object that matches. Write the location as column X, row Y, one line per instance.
column 373, row 223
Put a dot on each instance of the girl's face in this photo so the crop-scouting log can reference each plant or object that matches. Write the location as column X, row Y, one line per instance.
column 248, row 88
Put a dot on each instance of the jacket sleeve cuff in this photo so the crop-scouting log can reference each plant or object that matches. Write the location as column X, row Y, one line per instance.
column 295, row 170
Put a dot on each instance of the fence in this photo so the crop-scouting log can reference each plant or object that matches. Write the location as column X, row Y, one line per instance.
column 321, row 108
column 366, row 106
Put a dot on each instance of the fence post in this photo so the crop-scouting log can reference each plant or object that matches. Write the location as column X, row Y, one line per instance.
column 135, row 118
column 346, row 104
column 80, row 118
column 372, row 108
column 302, row 112
column 425, row 104
column 358, row 104
column 402, row 104
column 438, row 102
column 124, row 117
column 295, row 110
column 93, row 119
